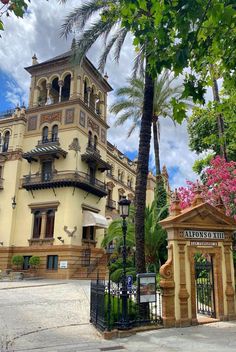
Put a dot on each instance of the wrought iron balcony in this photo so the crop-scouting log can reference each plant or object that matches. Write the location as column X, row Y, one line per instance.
column 111, row 204
column 92, row 156
column 65, row 179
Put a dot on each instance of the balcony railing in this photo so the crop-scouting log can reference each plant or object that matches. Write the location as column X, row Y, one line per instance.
column 52, row 140
column 65, row 179
column 111, row 204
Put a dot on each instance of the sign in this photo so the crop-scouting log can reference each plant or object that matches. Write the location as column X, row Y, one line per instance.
column 207, row 235
column 208, row 244
column 129, row 282
column 63, row 264
column 147, row 287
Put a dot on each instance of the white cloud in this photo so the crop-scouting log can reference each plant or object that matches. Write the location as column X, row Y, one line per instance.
column 38, row 33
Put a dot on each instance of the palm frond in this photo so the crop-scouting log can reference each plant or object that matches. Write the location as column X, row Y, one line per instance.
column 90, row 36
column 81, row 15
column 119, row 43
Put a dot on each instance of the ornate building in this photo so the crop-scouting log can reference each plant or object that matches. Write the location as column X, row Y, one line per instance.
column 60, row 180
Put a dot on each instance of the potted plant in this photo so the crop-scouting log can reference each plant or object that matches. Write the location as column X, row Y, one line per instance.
column 34, row 262
column 17, row 261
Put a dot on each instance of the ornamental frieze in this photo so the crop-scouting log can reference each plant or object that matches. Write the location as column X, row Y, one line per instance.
column 50, row 117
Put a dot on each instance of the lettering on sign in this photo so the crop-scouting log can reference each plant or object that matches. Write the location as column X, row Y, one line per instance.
column 208, row 235
column 208, row 244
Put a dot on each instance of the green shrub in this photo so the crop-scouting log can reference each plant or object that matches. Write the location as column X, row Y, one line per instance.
column 17, row 260
column 34, row 262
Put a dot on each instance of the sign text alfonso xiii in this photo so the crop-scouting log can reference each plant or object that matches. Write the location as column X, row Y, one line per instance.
column 204, row 234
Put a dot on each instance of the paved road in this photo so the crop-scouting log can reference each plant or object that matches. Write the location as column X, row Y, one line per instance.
column 53, row 316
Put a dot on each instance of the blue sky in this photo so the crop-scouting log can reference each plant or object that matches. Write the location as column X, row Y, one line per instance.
column 4, row 105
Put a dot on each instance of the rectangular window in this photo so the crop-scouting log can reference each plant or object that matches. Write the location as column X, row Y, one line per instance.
column 26, row 262
column 52, row 262
column 46, row 171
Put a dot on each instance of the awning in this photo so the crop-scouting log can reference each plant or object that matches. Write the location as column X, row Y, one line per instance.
column 94, row 219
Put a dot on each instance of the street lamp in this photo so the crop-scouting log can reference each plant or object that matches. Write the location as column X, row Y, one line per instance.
column 124, row 205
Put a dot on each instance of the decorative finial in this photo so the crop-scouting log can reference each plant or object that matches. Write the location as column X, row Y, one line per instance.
column 175, row 204
column 34, row 60
column 106, row 76
column 198, row 199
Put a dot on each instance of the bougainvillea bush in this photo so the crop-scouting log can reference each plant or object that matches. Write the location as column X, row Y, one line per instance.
column 219, row 181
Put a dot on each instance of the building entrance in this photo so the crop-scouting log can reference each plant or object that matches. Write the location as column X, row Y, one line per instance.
column 205, row 290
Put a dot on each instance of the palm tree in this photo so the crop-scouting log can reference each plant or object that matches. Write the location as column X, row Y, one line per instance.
column 94, row 20
column 130, row 105
column 155, row 236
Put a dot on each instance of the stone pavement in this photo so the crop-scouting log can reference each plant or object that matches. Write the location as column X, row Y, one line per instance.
column 53, row 316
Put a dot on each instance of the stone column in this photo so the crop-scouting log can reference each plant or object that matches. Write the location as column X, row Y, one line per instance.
column 48, row 100
column 71, row 87
column 61, row 84
column 89, row 92
column 79, row 87
column 229, row 291
column 43, row 224
column 183, row 293
column 101, row 103
column 36, row 96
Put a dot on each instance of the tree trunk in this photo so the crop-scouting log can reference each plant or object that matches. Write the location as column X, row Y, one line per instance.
column 142, row 171
column 156, row 145
column 220, row 120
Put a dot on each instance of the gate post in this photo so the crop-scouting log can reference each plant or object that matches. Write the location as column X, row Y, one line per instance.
column 200, row 229
column 168, row 290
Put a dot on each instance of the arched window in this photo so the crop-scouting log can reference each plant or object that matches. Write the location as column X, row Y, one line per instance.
column 85, row 92
column 95, row 142
column 50, row 223
column 6, row 141
column 37, row 224
column 90, row 139
column 55, row 90
column 65, row 93
column 45, row 135
column 92, row 100
column 0, row 141
column 54, row 133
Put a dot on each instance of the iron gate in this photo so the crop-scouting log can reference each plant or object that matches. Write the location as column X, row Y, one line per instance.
column 205, row 295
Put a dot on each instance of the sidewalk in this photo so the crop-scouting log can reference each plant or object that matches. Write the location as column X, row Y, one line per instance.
column 51, row 316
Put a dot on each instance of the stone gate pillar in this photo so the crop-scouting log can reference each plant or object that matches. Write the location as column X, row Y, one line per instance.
column 199, row 230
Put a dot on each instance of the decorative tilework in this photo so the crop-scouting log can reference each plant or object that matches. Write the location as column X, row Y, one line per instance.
column 50, row 117
column 70, row 113
column 32, row 123
column 82, row 118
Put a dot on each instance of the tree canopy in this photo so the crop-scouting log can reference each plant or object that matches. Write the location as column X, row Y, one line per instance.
column 203, row 132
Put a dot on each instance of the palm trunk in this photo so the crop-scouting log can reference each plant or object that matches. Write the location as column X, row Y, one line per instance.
column 142, row 171
column 220, row 120
column 156, row 145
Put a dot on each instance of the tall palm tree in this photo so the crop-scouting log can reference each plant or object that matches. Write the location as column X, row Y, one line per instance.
column 95, row 20
column 129, row 106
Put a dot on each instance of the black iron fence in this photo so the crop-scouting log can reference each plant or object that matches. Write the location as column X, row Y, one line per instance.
column 106, row 307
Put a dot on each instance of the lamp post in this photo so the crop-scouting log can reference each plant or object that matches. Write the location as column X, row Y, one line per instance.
column 124, row 205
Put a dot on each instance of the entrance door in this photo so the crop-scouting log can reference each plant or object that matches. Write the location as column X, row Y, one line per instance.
column 204, row 279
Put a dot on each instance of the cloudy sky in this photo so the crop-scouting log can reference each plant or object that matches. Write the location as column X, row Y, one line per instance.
column 38, row 33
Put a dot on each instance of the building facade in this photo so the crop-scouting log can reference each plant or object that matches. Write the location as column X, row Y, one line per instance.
column 60, row 180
